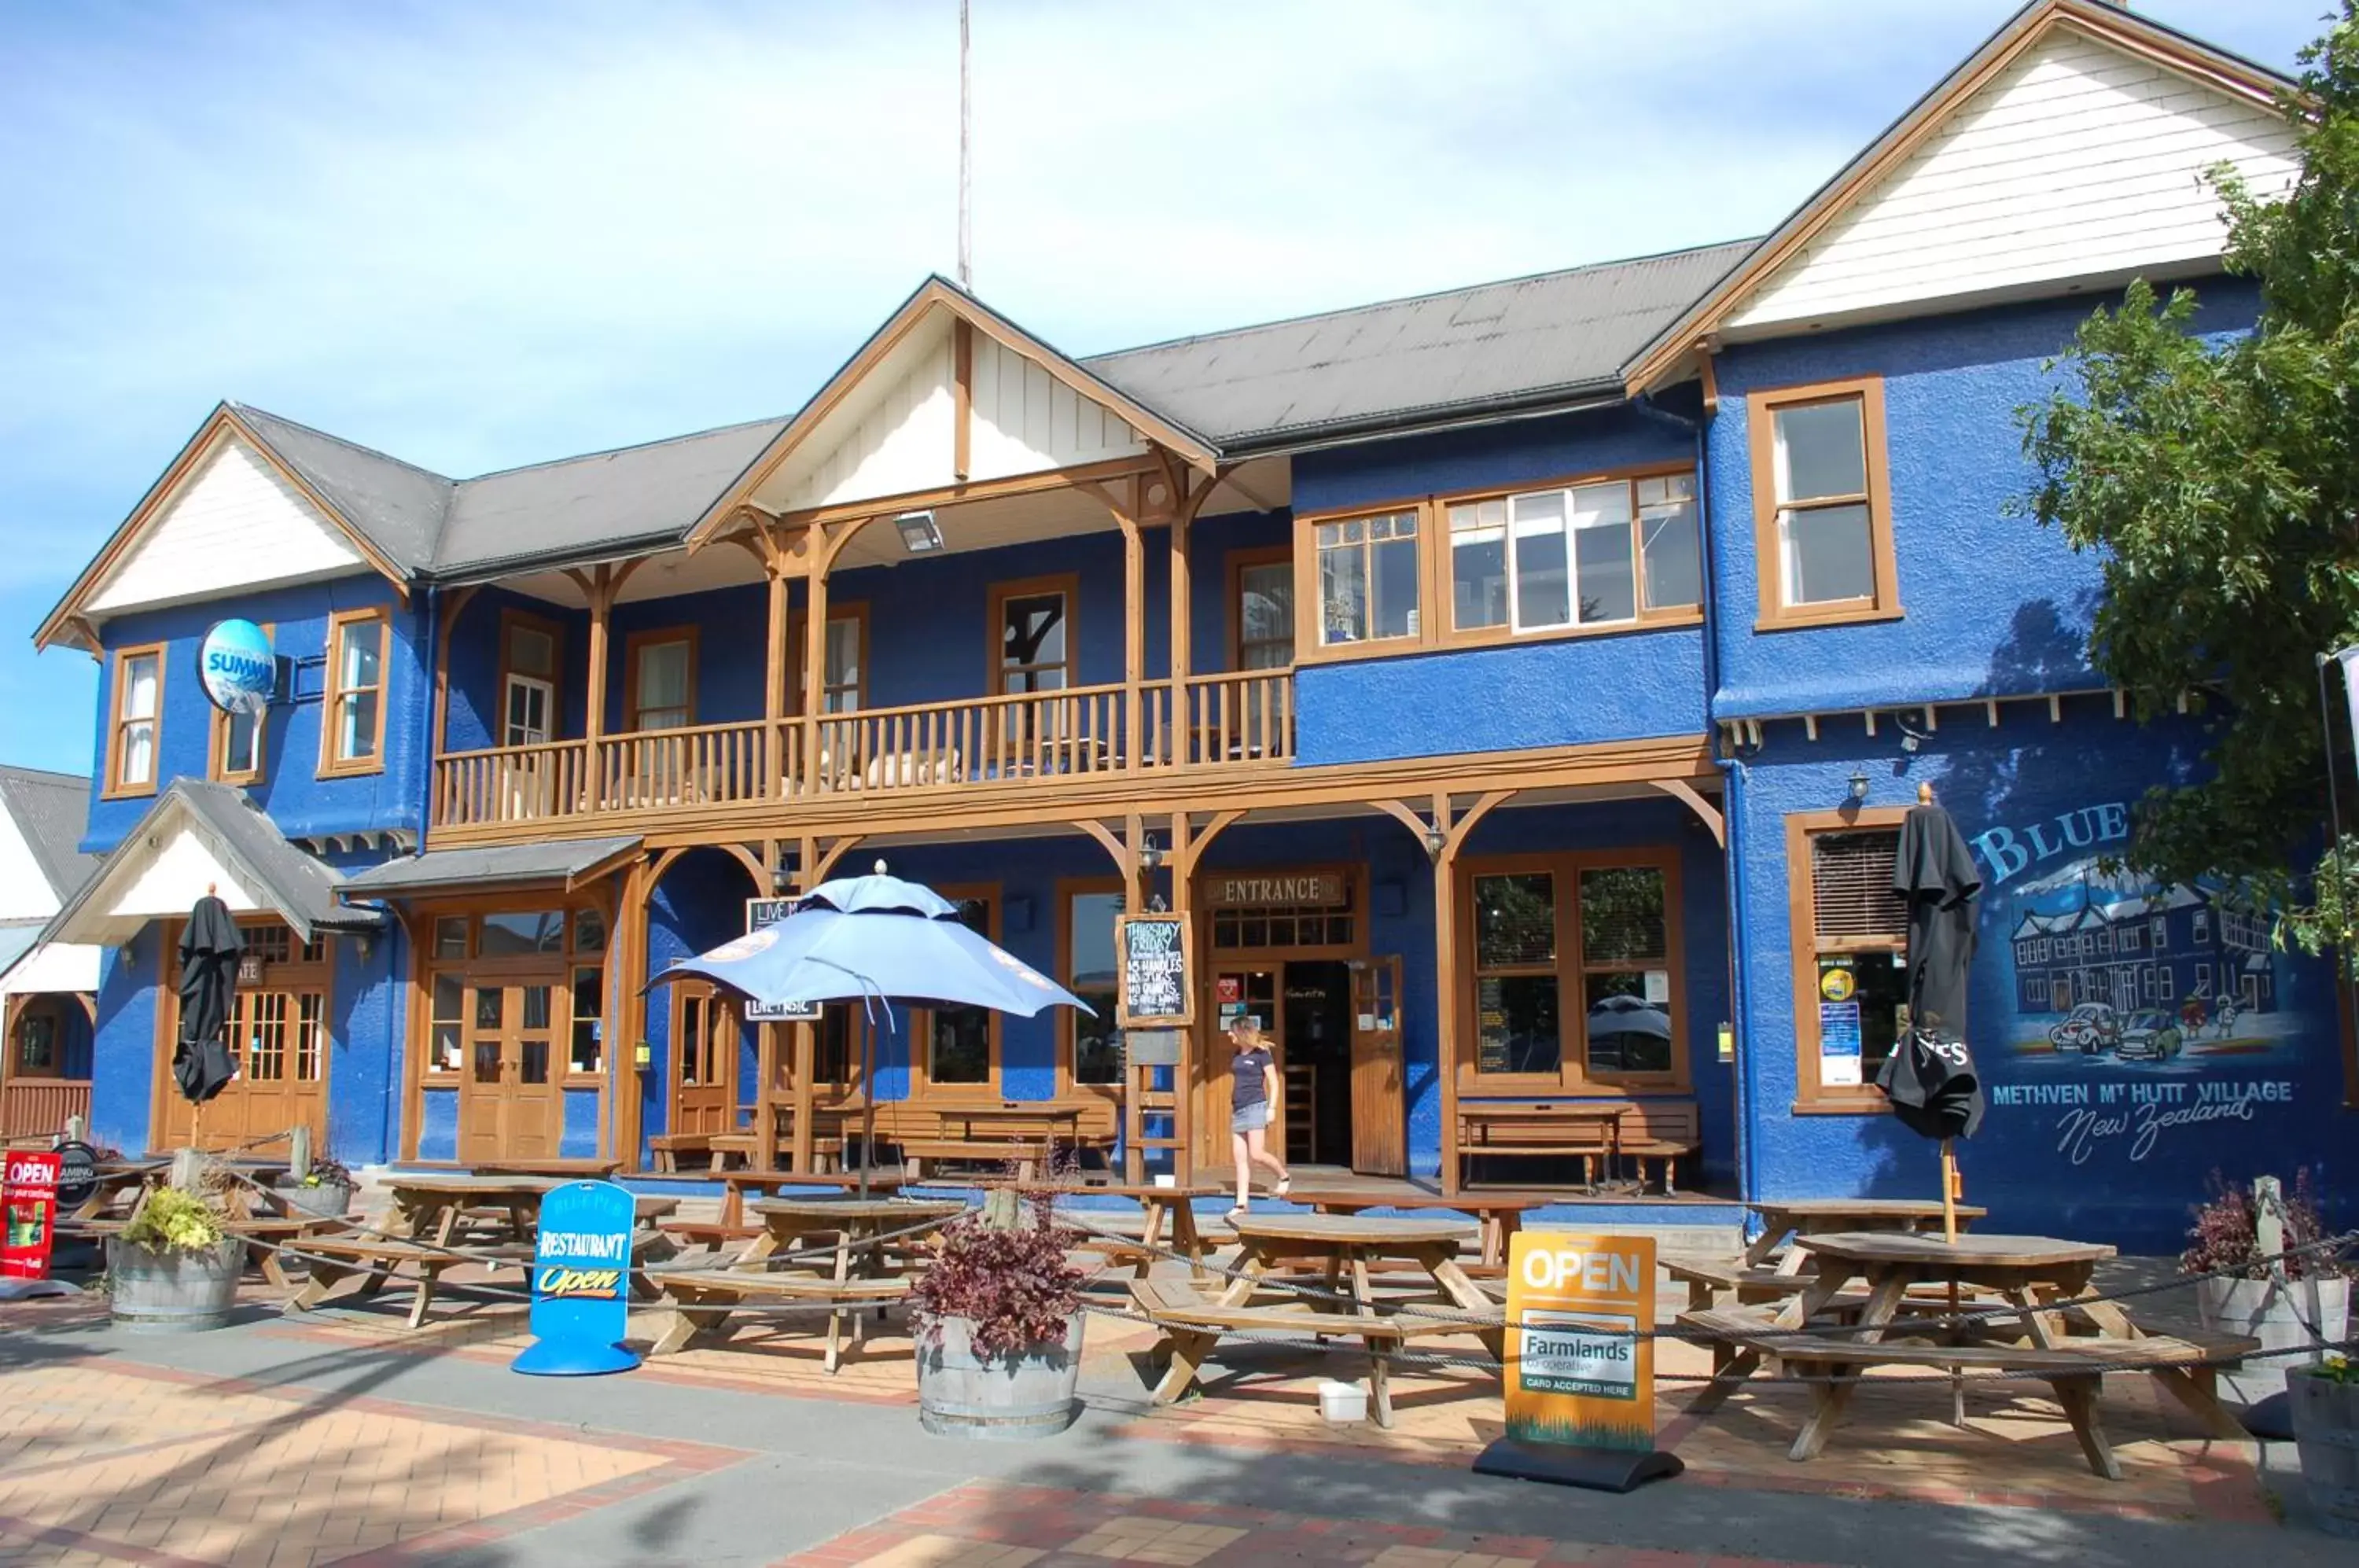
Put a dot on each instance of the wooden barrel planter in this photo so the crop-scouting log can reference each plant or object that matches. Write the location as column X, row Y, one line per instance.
column 172, row 1293
column 959, row 1394
column 2282, row 1317
column 2326, row 1434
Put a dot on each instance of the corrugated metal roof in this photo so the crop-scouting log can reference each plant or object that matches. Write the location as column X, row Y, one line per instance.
column 562, row 860
column 1398, row 364
column 635, row 493
column 51, row 810
column 1563, row 332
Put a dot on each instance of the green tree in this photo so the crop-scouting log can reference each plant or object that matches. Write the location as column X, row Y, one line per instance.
column 2219, row 475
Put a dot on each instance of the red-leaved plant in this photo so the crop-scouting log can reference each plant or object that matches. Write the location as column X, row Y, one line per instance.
column 2225, row 1237
column 1011, row 1282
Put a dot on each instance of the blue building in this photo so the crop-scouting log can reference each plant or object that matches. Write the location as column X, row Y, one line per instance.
column 1518, row 688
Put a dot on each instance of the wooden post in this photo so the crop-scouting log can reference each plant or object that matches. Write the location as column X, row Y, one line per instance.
column 1949, row 1193
column 814, row 694
column 1134, row 628
column 601, row 605
column 806, row 1041
column 774, row 674
column 1445, row 991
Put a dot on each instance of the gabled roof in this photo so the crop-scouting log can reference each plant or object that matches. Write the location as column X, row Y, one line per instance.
column 51, row 810
column 1555, row 337
column 396, row 505
column 237, row 840
column 2112, row 24
column 937, row 293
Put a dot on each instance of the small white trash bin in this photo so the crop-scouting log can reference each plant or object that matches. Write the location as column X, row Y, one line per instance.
column 1342, row 1403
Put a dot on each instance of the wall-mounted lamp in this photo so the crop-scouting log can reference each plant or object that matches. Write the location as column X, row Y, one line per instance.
column 643, row 1055
column 367, row 945
column 1910, row 739
column 1436, row 841
column 1858, row 785
column 920, row 534
column 1150, row 853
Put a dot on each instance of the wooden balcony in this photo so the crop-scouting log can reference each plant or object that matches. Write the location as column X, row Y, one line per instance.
column 35, row 1109
column 811, row 769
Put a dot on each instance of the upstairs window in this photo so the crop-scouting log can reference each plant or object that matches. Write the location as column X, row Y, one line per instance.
column 1615, row 551
column 1262, row 611
column 1033, row 645
column 138, row 706
column 662, row 677
column 1822, row 506
column 1368, row 579
column 528, row 655
column 355, row 705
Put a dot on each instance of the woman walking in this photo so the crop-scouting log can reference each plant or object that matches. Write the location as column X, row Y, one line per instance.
column 1253, row 1090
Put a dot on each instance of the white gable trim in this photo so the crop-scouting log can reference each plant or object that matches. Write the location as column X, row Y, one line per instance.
column 53, row 967
column 232, row 522
column 2079, row 162
column 24, row 890
column 160, row 875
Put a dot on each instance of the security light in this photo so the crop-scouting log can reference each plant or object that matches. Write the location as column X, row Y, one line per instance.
column 920, row 534
column 1858, row 785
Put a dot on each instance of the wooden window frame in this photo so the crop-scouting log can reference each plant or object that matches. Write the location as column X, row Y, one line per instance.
column 511, row 618
column 1068, row 1081
column 1810, row 1096
column 331, row 766
column 1437, row 601
column 1770, row 559
column 217, row 765
column 1573, row 1076
column 798, row 624
column 922, row 1087
column 294, row 978
column 657, row 636
column 1241, row 561
column 1445, row 572
column 116, row 788
column 1067, row 584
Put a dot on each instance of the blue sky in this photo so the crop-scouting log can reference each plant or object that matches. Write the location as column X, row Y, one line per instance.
column 476, row 235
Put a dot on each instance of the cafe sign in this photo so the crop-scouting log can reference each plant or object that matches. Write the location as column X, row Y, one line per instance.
column 1279, row 889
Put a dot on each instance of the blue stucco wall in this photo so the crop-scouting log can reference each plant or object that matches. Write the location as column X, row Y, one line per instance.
column 300, row 800
column 1516, row 452
column 1994, row 603
column 122, row 1056
column 367, row 1019
column 2089, row 1147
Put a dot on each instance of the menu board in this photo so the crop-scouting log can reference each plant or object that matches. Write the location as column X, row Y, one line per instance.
column 1155, row 952
column 760, row 912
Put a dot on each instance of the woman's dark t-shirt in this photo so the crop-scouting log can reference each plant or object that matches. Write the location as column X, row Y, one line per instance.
column 1250, row 1088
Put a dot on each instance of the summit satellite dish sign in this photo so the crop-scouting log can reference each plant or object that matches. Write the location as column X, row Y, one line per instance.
column 237, row 667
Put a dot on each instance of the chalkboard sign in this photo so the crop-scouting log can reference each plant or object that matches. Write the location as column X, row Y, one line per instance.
column 1156, row 952
column 760, row 912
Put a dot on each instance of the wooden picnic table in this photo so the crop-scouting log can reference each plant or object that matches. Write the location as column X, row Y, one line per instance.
column 1347, row 1245
column 1169, row 1214
column 1781, row 1219
column 579, row 1169
column 111, row 1181
column 736, row 1185
column 2055, row 1332
column 1499, row 1214
column 426, row 1205
column 852, row 1221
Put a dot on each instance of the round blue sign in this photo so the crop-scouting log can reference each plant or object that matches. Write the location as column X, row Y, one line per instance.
column 237, row 667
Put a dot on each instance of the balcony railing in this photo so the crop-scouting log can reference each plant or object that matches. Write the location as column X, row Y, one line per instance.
column 37, row 1107
column 1036, row 739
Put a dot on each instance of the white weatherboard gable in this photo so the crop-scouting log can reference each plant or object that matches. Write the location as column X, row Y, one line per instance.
column 25, row 893
column 2078, row 162
column 177, row 873
column 896, row 432
column 232, row 522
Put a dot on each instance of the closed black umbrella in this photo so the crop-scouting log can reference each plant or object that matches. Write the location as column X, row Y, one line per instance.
column 1930, row 1077
column 209, row 950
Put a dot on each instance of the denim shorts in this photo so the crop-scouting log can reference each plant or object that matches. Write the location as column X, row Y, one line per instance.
column 1250, row 1118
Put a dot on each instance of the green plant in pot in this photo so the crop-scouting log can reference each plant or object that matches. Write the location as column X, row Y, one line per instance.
column 326, row 1188
column 999, row 1324
column 175, row 1267
column 2325, row 1401
column 2301, row 1302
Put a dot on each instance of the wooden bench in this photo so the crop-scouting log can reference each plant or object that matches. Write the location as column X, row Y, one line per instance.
column 1192, row 1325
column 704, row 1301
column 2185, row 1366
column 1015, row 1132
column 1560, row 1128
column 334, row 1260
column 1667, row 1131
column 708, row 1233
column 664, row 1150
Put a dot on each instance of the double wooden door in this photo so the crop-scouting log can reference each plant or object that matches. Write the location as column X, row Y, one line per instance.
column 511, row 1101
column 706, row 1033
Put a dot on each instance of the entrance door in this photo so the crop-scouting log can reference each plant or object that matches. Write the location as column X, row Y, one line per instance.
column 1380, row 1139
column 277, row 1036
column 510, row 1106
column 704, row 1033
column 1316, row 1061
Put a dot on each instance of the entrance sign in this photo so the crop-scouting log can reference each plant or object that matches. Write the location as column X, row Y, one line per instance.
column 29, row 1194
column 760, row 912
column 1580, row 1364
column 236, row 668
column 1155, row 952
column 582, row 1282
column 1313, row 890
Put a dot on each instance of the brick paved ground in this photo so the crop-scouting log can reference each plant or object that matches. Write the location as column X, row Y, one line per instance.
column 342, row 1438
